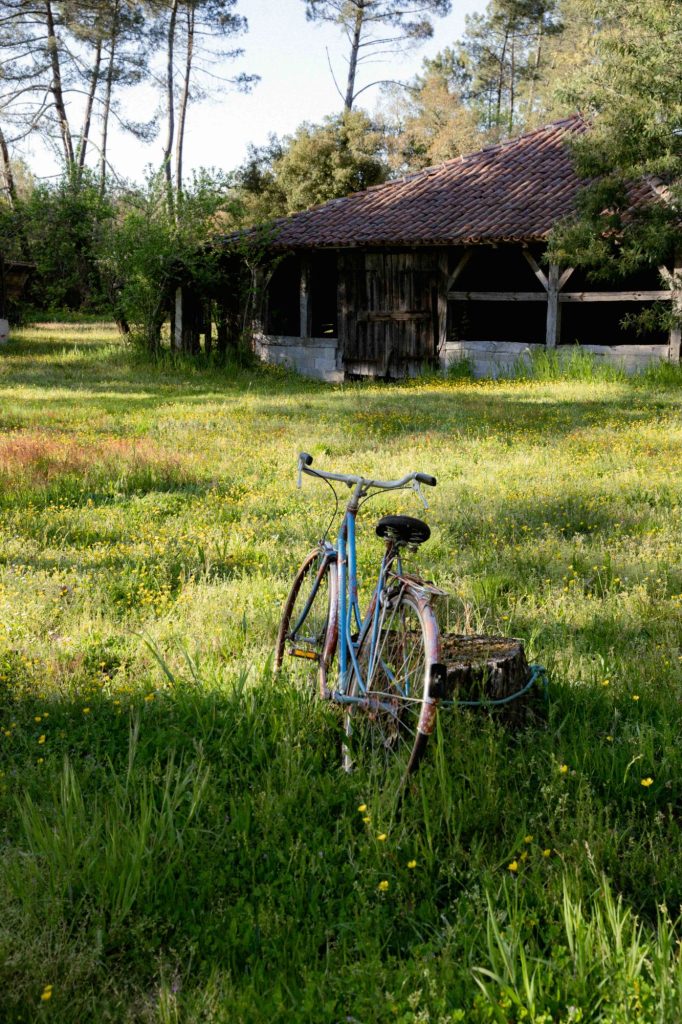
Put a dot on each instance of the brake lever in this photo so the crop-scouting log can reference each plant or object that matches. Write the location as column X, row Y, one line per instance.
column 416, row 486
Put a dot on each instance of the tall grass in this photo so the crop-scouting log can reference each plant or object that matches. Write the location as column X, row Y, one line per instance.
column 177, row 842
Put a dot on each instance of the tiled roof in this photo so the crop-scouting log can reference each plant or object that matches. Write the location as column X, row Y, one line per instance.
column 512, row 192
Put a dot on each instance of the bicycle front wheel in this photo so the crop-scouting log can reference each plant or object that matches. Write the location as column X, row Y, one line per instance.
column 388, row 723
column 307, row 630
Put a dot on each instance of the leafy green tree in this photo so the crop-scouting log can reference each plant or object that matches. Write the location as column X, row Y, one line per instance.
column 344, row 154
column 340, row 156
column 149, row 245
column 260, row 194
column 375, row 30
column 632, row 93
column 63, row 224
column 428, row 121
column 501, row 57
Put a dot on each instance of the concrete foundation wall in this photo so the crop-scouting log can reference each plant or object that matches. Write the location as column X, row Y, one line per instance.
column 313, row 357
column 498, row 358
column 320, row 357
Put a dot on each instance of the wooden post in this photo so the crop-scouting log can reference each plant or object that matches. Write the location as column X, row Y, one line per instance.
column 304, row 330
column 221, row 320
column 176, row 340
column 443, row 281
column 553, row 309
column 675, row 340
column 208, row 327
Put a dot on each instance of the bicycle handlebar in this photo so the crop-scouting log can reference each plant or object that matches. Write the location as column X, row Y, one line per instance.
column 305, row 461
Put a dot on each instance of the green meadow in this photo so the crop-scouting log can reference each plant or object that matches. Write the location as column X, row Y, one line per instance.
column 177, row 840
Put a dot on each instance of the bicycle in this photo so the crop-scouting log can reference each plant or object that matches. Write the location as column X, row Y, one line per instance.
column 389, row 677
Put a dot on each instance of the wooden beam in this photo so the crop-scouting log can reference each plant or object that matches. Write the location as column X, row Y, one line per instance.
column 304, row 298
column 498, row 296
column 464, row 259
column 644, row 296
column 675, row 338
column 177, row 320
column 536, row 268
column 553, row 331
column 565, row 276
column 398, row 316
column 666, row 275
column 443, row 289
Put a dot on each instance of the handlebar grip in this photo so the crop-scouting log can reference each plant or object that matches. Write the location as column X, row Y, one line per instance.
column 305, row 458
column 424, row 478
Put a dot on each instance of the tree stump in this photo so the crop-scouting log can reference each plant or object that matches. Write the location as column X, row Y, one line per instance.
column 486, row 668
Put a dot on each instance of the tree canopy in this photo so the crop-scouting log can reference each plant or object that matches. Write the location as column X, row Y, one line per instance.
column 632, row 92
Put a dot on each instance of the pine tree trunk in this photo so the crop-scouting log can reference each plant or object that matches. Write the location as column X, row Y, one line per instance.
column 94, row 81
column 7, row 172
column 184, row 100
column 170, row 101
column 56, row 87
column 107, row 109
column 353, row 61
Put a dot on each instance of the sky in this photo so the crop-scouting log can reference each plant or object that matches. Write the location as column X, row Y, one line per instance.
column 290, row 55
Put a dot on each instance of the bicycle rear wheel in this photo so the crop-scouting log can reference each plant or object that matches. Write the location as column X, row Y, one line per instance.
column 307, row 630
column 387, row 729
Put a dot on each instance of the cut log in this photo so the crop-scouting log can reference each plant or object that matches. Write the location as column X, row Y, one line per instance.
column 488, row 668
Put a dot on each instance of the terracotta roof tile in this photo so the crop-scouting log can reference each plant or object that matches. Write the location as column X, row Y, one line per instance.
column 513, row 192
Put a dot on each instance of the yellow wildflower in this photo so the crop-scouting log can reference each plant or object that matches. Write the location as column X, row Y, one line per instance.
column 362, row 808
column 367, row 819
column 546, row 853
column 411, row 864
column 514, row 866
column 86, row 711
column 47, row 993
column 383, row 885
column 528, row 839
column 635, row 696
column 41, row 739
column 563, row 768
column 647, row 782
column 382, row 837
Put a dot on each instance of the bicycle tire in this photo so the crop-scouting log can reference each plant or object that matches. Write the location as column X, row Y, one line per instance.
column 317, row 642
column 392, row 742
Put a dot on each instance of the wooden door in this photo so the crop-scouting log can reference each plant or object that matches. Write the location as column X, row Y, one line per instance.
column 389, row 311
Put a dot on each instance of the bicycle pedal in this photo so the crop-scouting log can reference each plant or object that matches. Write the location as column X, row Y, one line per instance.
column 438, row 681
column 301, row 652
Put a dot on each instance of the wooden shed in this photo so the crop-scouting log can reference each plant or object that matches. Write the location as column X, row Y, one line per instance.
column 448, row 263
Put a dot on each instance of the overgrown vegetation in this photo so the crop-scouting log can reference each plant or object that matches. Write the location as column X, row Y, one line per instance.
column 176, row 841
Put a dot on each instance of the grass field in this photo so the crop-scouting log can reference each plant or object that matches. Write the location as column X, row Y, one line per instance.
column 177, row 842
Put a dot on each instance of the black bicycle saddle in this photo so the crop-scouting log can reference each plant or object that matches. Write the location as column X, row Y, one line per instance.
column 403, row 529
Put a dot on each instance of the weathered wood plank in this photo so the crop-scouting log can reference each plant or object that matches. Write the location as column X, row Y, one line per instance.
column 568, row 272
column 642, row 296
column 464, row 259
column 675, row 338
column 666, row 275
column 536, row 268
column 553, row 331
column 498, row 296
column 304, row 298
column 398, row 316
